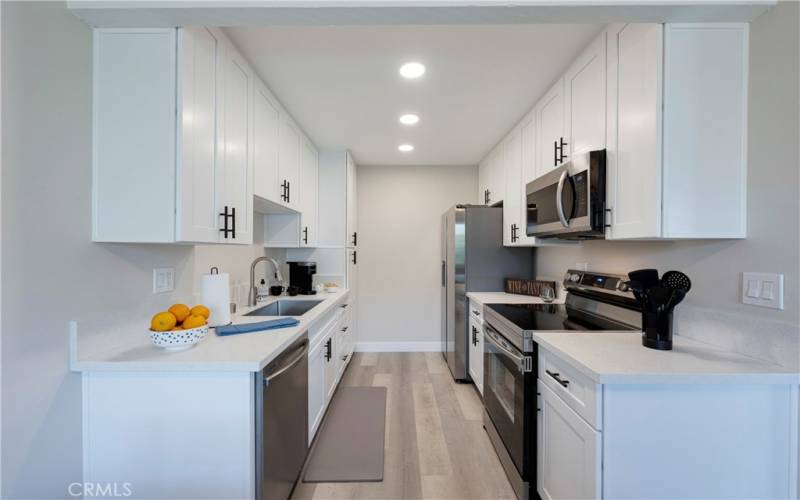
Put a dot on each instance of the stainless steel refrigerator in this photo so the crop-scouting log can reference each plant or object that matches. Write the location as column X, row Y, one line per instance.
column 473, row 260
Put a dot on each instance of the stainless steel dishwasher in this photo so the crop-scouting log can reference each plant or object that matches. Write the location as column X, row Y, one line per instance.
column 282, row 422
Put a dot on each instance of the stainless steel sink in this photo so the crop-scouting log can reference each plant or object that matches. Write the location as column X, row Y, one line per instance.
column 285, row 308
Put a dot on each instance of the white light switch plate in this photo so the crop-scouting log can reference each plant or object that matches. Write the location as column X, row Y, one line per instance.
column 163, row 279
column 763, row 290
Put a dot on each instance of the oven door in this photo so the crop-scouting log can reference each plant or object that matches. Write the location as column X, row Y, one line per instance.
column 509, row 397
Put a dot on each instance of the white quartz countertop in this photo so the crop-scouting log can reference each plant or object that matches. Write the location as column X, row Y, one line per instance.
column 620, row 358
column 505, row 298
column 248, row 352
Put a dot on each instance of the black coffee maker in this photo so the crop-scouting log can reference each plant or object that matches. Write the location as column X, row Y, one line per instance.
column 301, row 276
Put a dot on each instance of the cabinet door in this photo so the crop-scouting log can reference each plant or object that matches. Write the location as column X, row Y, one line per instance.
column 266, row 137
column 483, row 182
column 352, row 271
column 289, row 162
column 198, row 58
column 495, row 175
column 585, row 99
column 512, row 153
column 634, row 159
column 352, row 203
column 550, row 128
column 235, row 182
column 331, row 366
column 569, row 452
column 476, row 352
column 317, row 393
column 309, row 195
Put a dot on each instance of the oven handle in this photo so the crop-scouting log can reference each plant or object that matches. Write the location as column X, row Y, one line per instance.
column 559, row 202
column 524, row 363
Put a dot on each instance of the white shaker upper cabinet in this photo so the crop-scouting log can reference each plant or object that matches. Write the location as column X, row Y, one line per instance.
column 266, row 139
column 492, row 177
column 309, row 196
column 199, row 53
column 585, row 99
column 512, row 151
column 634, row 158
column 289, row 162
column 351, row 202
column 677, row 150
column 165, row 162
column 237, row 171
column 550, row 129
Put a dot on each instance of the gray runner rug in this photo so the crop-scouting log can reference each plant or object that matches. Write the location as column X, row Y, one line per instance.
column 349, row 444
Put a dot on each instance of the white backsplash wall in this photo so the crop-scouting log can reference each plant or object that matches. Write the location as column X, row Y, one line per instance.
column 713, row 311
column 399, row 250
column 236, row 260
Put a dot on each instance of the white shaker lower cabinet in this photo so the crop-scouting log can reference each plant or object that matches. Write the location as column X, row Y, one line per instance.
column 184, row 95
column 317, row 393
column 569, row 452
column 663, row 439
column 677, row 122
column 476, row 350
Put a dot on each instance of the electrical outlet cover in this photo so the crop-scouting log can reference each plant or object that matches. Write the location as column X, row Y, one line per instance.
column 163, row 279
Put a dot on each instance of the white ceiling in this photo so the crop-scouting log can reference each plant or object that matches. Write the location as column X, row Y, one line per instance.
column 341, row 83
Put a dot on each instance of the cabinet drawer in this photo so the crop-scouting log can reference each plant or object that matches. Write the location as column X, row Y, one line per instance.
column 476, row 310
column 578, row 391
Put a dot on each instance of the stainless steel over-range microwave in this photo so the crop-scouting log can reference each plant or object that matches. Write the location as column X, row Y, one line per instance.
column 570, row 201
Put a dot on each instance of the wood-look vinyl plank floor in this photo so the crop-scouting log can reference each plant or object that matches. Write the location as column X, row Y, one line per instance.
column 436, row 447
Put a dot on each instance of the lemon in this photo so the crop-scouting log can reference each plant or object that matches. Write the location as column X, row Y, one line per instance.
column 180, row 311
column 201, row 310
column 193, row 321
column 163, row 321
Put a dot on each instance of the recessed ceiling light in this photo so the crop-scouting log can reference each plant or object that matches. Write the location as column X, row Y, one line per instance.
column 409, row 119
column 412, row 70
column 405, row 148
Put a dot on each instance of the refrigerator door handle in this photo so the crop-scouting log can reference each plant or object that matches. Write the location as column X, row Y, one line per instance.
column 444, row 273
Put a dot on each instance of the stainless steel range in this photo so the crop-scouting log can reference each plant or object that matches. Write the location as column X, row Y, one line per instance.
column 595, row 301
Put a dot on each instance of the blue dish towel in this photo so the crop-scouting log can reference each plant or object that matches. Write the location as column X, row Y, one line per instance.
column 257, row 327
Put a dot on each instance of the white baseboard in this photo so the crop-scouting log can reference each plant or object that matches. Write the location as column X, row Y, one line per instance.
column 398, row 346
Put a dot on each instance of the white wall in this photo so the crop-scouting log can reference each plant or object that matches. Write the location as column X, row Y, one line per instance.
column 712, row 311
column 52, row 272
column 399, row 237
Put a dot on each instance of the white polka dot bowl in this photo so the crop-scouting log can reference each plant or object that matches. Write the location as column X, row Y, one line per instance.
column 176, row 340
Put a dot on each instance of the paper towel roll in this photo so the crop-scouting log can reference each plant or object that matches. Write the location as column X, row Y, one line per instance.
column 215, row 293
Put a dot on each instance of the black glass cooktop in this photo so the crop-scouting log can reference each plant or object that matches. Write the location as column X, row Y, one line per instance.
column 551, row 317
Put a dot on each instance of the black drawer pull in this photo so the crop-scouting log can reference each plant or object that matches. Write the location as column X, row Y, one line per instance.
column 557, row 378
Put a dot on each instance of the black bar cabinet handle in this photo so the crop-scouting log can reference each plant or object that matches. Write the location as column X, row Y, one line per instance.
column 555, row 153
column 305, row 235
column 561, row 150
column 233, row 224
column 224, row 216
column 558, row 379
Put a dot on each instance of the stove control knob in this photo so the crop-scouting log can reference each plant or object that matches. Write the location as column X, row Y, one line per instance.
column 623, row 287
column 575, row 277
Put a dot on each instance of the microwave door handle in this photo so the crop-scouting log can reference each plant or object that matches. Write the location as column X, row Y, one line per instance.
column 559, row 200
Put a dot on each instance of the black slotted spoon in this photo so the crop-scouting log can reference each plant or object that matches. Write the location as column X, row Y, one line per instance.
column 679, row 283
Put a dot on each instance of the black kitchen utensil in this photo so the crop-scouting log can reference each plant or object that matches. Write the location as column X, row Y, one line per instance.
column 656, row 298
column 647, row 277
column 676, row 280
column 637, row 290
column 675, row 299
